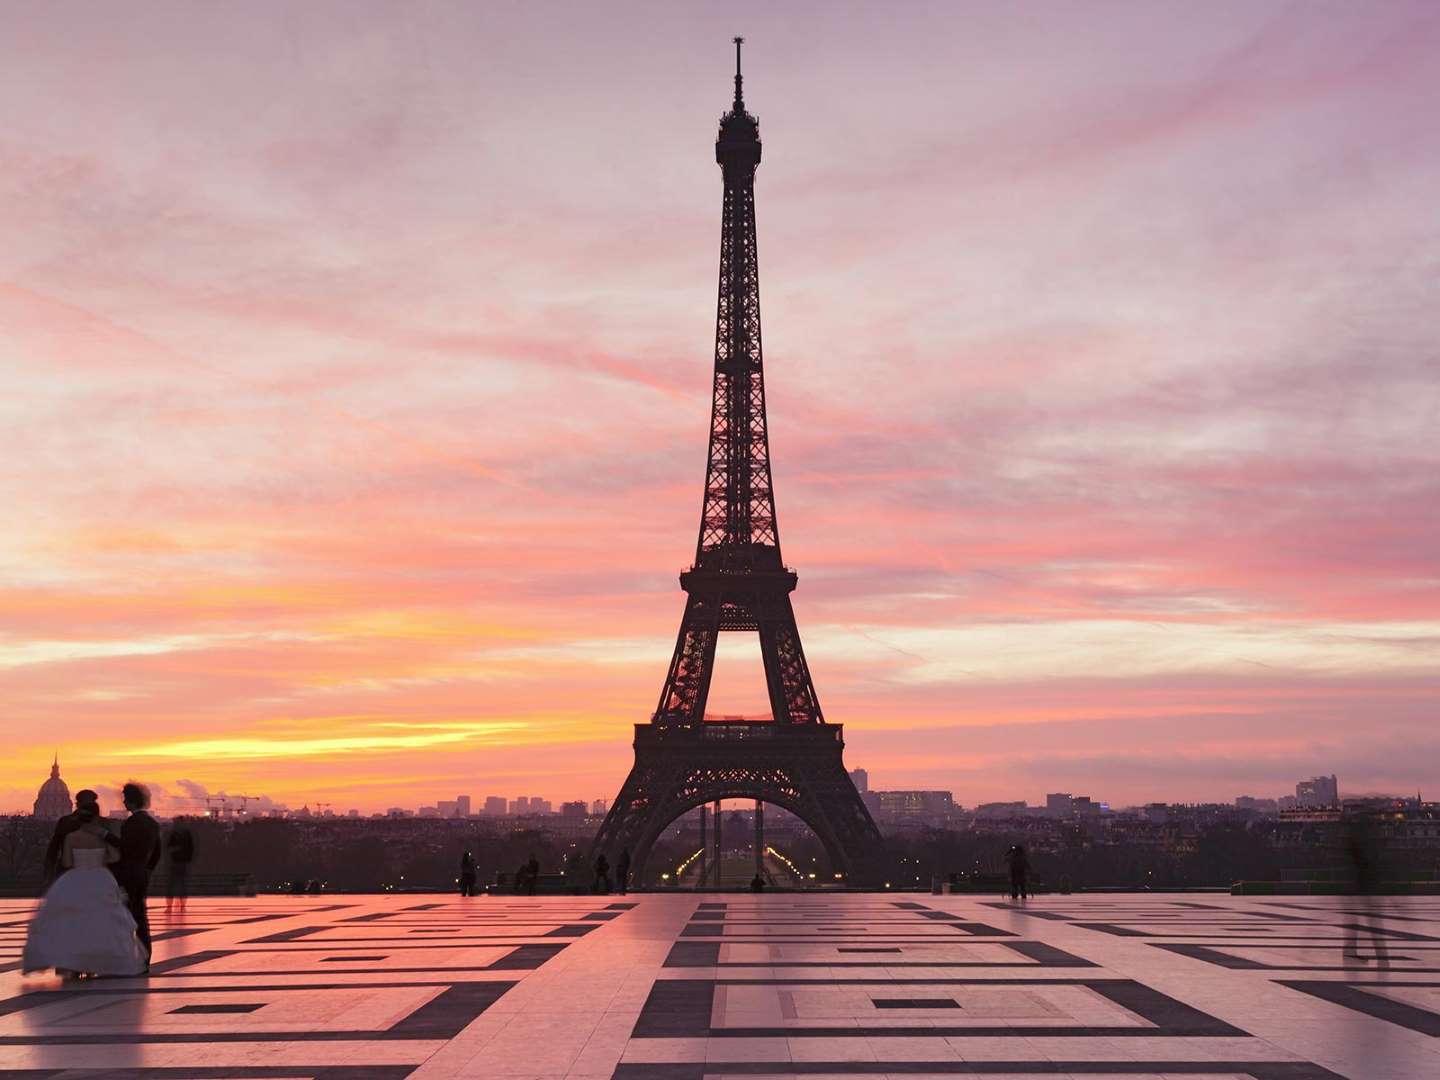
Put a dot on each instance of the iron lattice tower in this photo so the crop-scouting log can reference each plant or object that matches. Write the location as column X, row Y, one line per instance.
column 739, row 583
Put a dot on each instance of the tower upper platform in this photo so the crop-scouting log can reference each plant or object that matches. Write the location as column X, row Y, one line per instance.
column 737, row 147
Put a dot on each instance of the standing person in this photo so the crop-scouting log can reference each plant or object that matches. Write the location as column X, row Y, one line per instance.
column 180, row 845
column 66, row 825
column 467, row 874
column 82, row 926
column 602, row 874
column 139, row 855
column 532, row 873
column 622, row 870
column 1019, row 872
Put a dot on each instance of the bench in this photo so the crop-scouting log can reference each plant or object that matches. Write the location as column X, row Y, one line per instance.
column 212, row 884
column 547, row 884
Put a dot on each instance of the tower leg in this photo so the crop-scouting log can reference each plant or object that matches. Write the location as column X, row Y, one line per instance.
column 700, row 880
column 759, row 839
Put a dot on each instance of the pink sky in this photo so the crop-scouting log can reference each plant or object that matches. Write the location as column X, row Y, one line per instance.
column 356, row 360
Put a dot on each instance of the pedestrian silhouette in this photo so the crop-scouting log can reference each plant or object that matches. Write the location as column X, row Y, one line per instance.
column 532, row 873
column 602, row 874
column 180, row 845
column 1019, row 864
column 467, row 874
column 757, row 884
column 1362, row 848
column 622, row 871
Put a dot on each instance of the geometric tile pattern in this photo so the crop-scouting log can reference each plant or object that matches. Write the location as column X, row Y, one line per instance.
column 679, row 987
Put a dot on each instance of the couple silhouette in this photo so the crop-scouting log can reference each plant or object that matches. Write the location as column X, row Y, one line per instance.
column 93, row 919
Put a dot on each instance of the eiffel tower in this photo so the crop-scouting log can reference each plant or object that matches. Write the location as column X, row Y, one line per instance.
column 739, row 583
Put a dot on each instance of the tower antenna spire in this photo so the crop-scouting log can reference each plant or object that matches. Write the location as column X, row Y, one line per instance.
column 739, row 98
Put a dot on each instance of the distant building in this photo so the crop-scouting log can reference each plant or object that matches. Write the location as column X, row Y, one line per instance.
column 520, row 805
column 539, row 805
column 573, row 809
column 1259, row 806
column 430, row 812
column 353, row 814
column 53, row 800
column 462, row 805
column 914, row 805
column 444, row 808
column 1318, row 791
column 1285, row 802
column 861, row 779
column 1001, row 809
column 494, row 806
column 599, row 807
column 1059, row 804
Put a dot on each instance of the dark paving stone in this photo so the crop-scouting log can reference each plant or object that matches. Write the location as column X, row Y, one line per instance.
column 915, row 1003
column 1353, row 996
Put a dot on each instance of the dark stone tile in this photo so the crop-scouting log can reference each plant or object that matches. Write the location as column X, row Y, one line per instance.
column 445, row 1016
column 915, row 1003
column 693, row 954
column 676, row 1008
column 1353, row 996
column 525, row 957
column 571, row 930
column 286, row 935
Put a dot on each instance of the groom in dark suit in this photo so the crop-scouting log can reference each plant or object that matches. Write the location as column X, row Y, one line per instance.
column 139, row 855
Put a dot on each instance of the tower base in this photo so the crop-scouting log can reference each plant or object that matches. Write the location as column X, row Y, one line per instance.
column 797, row 767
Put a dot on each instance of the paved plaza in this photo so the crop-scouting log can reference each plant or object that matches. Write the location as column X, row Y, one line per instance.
column 686, row 987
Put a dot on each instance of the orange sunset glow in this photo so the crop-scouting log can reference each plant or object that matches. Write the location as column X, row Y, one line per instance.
column 356, row 365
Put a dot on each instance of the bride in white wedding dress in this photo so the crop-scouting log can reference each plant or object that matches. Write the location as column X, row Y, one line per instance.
column 82, row 926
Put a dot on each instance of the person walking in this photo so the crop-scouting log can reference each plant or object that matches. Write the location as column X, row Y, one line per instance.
column 532, row 873
column 467, row 874
column 1019, row 872
column 622, row 871
column 139, row 855
column 1362, row 847
column 180, row 846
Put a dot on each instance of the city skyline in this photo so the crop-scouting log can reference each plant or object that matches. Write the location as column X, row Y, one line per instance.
column 189, row 798
column 350, row 457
